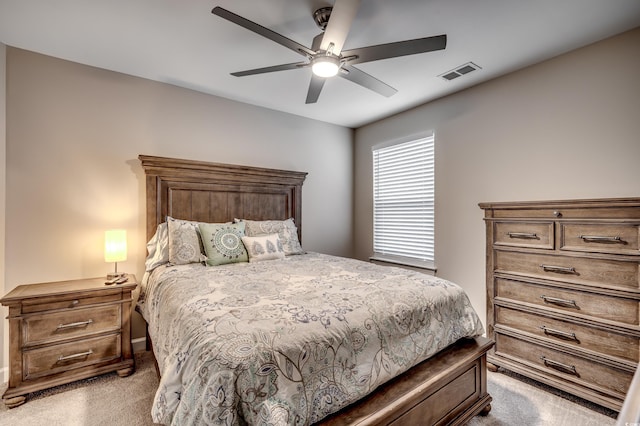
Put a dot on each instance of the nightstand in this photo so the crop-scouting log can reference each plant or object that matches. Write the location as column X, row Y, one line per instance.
column 60, row 332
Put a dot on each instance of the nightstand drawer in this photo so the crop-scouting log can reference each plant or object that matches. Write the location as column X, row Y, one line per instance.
column 608, row 272
column 51, row 303
column 524, row 234
column 53, row 327
column 611, row 308
column 64, row 357
column 619, row 238
column 582, row 371
column 567, row 333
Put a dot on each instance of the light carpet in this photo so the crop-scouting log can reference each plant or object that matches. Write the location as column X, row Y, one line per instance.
column 518, row 400
column 112, row 400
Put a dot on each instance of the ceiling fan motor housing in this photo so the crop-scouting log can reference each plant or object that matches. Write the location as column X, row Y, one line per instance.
column 321, row 16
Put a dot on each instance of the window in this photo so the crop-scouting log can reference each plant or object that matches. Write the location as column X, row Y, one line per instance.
column 403, row 202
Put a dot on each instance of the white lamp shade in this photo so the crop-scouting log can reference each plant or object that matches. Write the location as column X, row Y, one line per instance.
column 115, row 245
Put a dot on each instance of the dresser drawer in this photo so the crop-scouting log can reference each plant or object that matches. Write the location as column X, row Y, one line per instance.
column 569, row 333
column 600, row 238
column 558, row 211
column 43, row 304
column 611, row 308
column 67, row 356
column 52, row 327
column 576, row 369
column 596, row 272
column 524, row 234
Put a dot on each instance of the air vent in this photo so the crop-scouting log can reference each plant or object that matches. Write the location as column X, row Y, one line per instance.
column 460, row 71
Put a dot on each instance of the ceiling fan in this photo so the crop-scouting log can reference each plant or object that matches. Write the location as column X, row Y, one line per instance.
column 326, row 57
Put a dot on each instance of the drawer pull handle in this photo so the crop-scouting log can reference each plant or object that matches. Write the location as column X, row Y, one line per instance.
column 602, row 239
column 559, row 269
column 523, row 235
column 78, row 355
column 75, row 324
column 571, row 369
column 560, row 334
column 557, row 301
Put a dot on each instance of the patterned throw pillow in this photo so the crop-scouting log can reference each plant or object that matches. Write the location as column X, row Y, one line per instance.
column 223, row 243
column 285, row 229
column 264, row 247
column 184, row 242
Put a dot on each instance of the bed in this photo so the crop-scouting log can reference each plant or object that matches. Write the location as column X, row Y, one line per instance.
column 297, row 338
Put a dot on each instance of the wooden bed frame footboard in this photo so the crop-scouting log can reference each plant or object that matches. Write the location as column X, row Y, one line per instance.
column 447, row 389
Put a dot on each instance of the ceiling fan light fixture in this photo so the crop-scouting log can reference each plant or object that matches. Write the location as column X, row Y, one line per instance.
column 325, row 66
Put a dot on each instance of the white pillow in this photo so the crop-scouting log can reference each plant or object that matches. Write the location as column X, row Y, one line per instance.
column 263, row 247
column 158, row 248
column 285, row 229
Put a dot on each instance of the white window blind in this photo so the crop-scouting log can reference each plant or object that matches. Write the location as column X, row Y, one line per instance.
column 403, row 202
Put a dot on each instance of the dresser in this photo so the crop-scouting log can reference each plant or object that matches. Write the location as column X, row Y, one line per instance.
column 563, row 293
column 64, row 331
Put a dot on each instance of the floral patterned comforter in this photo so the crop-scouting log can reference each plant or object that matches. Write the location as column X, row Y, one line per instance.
column 287, row 342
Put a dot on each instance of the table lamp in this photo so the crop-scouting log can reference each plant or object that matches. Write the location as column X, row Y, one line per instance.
column 115, row 249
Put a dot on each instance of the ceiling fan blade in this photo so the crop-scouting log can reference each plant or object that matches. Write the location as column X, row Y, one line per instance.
column 315, row 86
column 366, row 80
column 273, row 68
column 393, row 50
column 339, row 24
column 265, row 32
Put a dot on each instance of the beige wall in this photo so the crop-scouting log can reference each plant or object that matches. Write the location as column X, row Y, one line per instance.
column 565, row 128
column 3, row 168
column 74, row 134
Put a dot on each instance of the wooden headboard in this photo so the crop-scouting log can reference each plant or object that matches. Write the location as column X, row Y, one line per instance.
column 214, row 193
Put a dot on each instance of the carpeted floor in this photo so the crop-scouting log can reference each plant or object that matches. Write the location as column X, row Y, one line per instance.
column 518, row 400
column 111, row 400
column 104, row 400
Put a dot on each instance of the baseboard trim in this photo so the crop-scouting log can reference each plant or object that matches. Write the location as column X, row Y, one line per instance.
column 139, row 344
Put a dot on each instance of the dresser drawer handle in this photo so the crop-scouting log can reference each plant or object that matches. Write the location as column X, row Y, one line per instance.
column 523, row 235
column 557, row 301
column 602, row 239
column 74, row 324
column 559, row 269
column 571, row 369
column 78, row 355
column 560, row 334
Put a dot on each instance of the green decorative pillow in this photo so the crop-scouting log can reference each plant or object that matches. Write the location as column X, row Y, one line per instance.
column 223, row 243
column 264, row 247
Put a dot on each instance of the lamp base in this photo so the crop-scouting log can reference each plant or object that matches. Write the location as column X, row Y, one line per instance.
column 114, row 275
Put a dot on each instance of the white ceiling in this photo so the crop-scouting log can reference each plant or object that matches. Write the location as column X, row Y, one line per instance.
column 181, row 43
